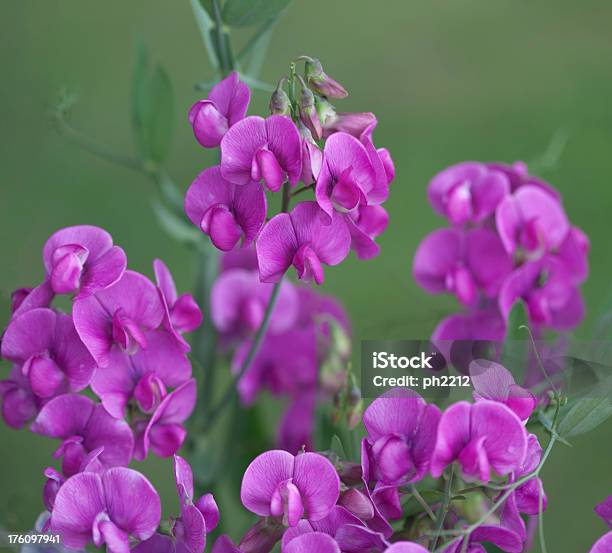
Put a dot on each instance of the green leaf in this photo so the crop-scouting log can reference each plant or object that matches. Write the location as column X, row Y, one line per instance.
column 152, row 109
column 337, row 447
column 202, row 11
column 584, row 415
column 177, row 228
column 243, row 13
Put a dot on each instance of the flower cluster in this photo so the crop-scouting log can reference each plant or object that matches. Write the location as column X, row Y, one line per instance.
column 122, row 344
column 303, row 139
column 510, row 240
column 303, row 354
column 319, row 502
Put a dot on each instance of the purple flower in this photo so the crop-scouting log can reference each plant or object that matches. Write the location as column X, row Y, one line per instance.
column 227, row 104
column 262, row 150
column 532, row 222
column 482, row 437
column 467, row 192
column 603, row 544
column 493, row 381
column 550, row 295
column 292, row 487
column 347, row 177
column 312, row 158
column 296, row 427
column 182, row 312
column 313, row 541
column 519, row 176
column 49, row 352
column 164, row 432
column 321, row 82
column 527, row 495
column 382, row 164
column 195, row 521
column 83, row 427
column 225, row 211
column 504, row 538
column 26, row 299
column 350, row 123
column 144, row 376
column 19, row 404
column 365, row 224
column 239, row 301
column 452, row 260
column 82, row 259
column 119, row 316
column 604, row 510
column 301, row 239
column 240, row 258
column 108, row 508
column 405, row 547
column 401, row 432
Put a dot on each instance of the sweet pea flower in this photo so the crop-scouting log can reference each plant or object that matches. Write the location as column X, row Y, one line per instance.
column 401, row 432
column 365, row 224
column 182, row 312
column 19, row 404
column 48, row 351
column 239, row 258
column 239, row 301
column 477, row 324
column 604, row 510
column 518, row 176
column 548, row 290
column 493, row 381
column 405, row 547
column 314, row 541
column 312, row 158
column 296, row 427
column 83, row 427
column 25, row 299
column 225, row 211
column 262, row 150
column 531, row 222
column 347, row 178
column 301, row 239
column 226, row 104
column 82, row 259
column 467, row 192
column 603, row 544
column 144, row 376
column 573, row 253
column 382, row 164
column 351, row 123
column 119, row 317
column 164, row 432
column 279, row 484
column 504, row 538
column 106, row 509
column 482, row 437
column 527, row 495
column 460, row 262
column 321, row 82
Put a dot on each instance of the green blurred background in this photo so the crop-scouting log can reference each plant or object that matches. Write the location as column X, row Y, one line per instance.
column 469, row 79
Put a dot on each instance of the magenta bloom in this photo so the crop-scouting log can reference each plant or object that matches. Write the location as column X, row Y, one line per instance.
column 527, row 496
column 182, row 312
column 25, row 299
column 49, row 352
column 548, row 290
column 82, row 259
column 452, row 260
column 467, row 192
column 301, row 239
column 164, row 432
column 504, row 538
column 239, row 301
column 226, row 104
column 493, row 381
column 106, row 509
column 604, row 510
column 119, row 316
column 313, row 541
column 365, row 224
column 603, row 544
column 312, row 158
column 262, row 150
column 83, row 427
column 482, row 437
column 477, row 324
column 225, row 211
column 518, row 176
column 19, row 403
column 351, row 123
column 531, row 220
column 143, row 377
column 347, row 178
column 292, row 487
column 402, row 433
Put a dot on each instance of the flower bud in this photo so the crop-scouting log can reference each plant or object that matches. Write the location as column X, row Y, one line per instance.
column 320, row 82
column 261, row 537
column 357, row 503
column 351, row 123
column 279, row 101
column 308, row 113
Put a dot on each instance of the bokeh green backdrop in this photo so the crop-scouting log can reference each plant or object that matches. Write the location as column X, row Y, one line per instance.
column 468, row 79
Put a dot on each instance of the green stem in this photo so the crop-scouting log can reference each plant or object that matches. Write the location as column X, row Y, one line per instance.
column 255, row 345
column 222, row 41
column 443, row 509
column 421, row 501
